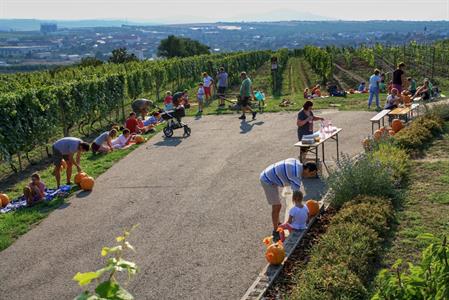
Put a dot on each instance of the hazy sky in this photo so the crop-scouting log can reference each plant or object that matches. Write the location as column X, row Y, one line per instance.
column 213, row 10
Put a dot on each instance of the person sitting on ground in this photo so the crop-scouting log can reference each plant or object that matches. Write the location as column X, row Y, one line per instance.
column 316, row 91
column 102, row 144
column 133, row 124
column 333, row 91
column 154, row 120
column 306, row 94
column 65, row 148
column 411, row 85
column 35, row 191
column 423, row 91
column 200, row 97
column 287, row 172
column 144, row 129
column 124, row 140
column 298, row 216
column 168, row 101
column 393, row 99
column 362, row 87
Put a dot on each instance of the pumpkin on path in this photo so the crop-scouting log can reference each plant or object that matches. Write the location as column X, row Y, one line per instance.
column 87, row 183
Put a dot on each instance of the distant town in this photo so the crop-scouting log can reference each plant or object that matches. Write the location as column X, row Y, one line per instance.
column 54, row 45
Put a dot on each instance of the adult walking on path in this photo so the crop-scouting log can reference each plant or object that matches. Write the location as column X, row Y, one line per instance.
column 65, row 148
column 245, row 96
column 374, row 88
column 288, row 172
column 222, row 85
column 399, row 78
column 207, row 83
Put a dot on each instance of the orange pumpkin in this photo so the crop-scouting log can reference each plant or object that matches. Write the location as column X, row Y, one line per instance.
column 383, row 129
column 396, row 125
column 366, row 143
column 391, row 132
column 4, row 200
column 275, row 253
column 377, row 135
column 407, row 100
column 79, row 177
column 87, row 183
column 139, row 139
column 313, row 207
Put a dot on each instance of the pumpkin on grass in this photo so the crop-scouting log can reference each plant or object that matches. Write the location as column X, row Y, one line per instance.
column 4, row 200
column 87, row 183
column 313, row 207
column 79, row 177
column 139, row 139
column 377, row 135
column 275, row 253
column 396, row 125
column 366, row 143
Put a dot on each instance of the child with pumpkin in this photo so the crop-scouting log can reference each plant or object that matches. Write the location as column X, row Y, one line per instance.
column 34, row 192
column 298, row 216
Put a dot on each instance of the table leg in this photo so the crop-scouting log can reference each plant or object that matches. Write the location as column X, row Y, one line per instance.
column 322, row 149
column 338, row 152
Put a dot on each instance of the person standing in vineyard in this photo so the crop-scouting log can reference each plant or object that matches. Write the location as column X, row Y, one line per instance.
column 374, row 88
column 207, row 84
column 222, row 84
column 246, row 93
column 65, row 148
column 399, row 78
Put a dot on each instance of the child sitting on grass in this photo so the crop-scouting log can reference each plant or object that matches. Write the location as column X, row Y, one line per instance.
column 124, row 140
column 34, row 192
column 299, row 214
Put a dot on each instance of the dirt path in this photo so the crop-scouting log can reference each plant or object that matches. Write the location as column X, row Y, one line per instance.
column 201, row 211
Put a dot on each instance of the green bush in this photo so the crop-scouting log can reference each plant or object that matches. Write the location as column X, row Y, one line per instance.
column 363, row 177
column 394, row 159
column 331, row 281
column 420, row 132
column 440, row 110
column 373, row 212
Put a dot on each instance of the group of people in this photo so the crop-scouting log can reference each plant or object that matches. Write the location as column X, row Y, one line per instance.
column 400, row 89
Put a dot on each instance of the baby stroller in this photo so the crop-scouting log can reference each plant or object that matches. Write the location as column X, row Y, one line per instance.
column 173, row 119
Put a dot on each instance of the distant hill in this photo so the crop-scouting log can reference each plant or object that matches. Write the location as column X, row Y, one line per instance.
column 34, row 24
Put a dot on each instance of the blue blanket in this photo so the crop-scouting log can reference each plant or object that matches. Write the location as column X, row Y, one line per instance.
column 50, row 194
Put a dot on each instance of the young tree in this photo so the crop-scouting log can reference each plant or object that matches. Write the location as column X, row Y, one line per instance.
column 174, row 46
column 120, row 56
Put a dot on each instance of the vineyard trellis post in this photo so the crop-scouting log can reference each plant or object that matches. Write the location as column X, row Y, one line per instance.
column 433, row 63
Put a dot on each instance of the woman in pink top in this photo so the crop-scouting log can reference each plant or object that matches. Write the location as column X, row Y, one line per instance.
column 35, row 191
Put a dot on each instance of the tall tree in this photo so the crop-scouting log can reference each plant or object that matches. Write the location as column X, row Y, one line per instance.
column 174, row 46
column 120, row 56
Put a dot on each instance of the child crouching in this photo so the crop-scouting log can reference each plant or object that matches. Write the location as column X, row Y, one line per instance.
column 35, row 191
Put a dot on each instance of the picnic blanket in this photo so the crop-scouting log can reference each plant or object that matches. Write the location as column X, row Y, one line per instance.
column 50, row 194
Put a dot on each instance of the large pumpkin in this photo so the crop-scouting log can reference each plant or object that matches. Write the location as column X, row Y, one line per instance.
column 87, row 183
column 275, row 253
column 313, row 207
column 79, row 177
column 377, row 135
column 396, row 125
column 139, row 139
column 4, row 200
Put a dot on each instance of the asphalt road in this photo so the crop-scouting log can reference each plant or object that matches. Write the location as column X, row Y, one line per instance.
column 201, row 210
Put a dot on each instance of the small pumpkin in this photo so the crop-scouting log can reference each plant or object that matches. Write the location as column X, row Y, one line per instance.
column 313, row 207
column 391, row 132
column 79, row 177
column 275, row 253
column 366, row 143
column 383, row 130
column 377, row 135
column 139, row 139
column 4, row 200
column 87, row 183
column 396, row 125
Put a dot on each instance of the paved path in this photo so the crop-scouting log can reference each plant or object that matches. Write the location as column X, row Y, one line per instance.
column 201, row 211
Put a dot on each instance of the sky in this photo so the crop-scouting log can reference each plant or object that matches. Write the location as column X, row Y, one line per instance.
column 184, row 11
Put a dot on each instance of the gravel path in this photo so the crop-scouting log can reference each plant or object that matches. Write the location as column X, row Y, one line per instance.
column 201, row 211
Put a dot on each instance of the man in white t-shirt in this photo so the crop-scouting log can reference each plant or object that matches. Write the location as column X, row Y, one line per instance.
column 207, row 84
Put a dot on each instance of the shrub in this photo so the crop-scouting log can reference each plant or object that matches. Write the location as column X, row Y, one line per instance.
column 373, row 212
column 363, row 177
column 420, row 132
column 394, row 159
column 440, row 110
column 331, row 281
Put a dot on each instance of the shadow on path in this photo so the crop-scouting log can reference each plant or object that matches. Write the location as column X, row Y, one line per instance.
column 246, row 127
column 314, row 188
column 169, row 142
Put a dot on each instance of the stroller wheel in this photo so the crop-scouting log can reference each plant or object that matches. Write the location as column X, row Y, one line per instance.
column 187, row 131
column 168, row 132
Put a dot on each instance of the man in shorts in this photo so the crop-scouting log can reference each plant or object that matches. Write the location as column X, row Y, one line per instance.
column 246, row 93
column 288, row 172
column 222, row 84
column 142, row 106
column 65, row 148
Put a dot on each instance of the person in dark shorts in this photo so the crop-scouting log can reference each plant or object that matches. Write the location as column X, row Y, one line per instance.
column 246, row 93
column 222, row 84
column 399, row 78
column 142, row 106
column 65, row 148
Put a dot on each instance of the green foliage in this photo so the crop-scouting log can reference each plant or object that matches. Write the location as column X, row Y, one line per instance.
column 282, row 57
column 90, row 62
column 419, row 132
column 362, row 177
column 121, row 56
column 174, row 46
column 320, row 61
column 440, row 110
column 428, row 280
column 393, row 159
column 110, row 288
